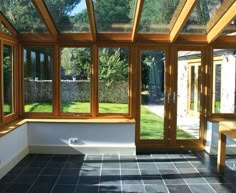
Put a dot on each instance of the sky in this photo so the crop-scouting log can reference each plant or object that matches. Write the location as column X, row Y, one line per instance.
column 79, row 8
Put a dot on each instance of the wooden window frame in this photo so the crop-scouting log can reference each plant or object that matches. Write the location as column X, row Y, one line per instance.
column 96, row 69
column 54, row 86
column 77, row 115
column 217, row 116
column 10, row 117
column 56, row 48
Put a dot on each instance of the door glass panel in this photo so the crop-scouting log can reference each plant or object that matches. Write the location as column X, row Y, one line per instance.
column 189, row 92
column 224, row 78
column 152, row 94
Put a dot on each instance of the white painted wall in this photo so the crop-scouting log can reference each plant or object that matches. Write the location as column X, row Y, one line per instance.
column 93, row 138
column 13, row 147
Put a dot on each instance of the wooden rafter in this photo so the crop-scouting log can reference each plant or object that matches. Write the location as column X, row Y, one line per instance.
column 40, row 6
column 7, row 24
column 138, row 12
column 223, row 21
column 91, row 18
column 181, row 20
column 218, row 14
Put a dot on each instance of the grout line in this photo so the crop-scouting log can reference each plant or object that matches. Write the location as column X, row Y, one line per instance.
column 60, row 173
column 85, row 158
column 39, row 172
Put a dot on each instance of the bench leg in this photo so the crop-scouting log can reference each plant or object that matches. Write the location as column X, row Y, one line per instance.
column 221, row 152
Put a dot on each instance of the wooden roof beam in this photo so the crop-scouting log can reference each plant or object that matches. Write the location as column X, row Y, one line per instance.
column 138, row 12
column 40, row 6
column 223, row 21
column 181, row 20
column 92, row 22
column 7, row 24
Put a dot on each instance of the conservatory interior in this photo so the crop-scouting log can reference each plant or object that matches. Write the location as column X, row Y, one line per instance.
column 116, row 78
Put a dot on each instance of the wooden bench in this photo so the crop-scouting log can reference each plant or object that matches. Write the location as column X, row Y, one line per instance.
column 226, row 129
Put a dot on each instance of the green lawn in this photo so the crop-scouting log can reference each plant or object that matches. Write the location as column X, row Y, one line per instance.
column 151, row 124
column 38, row 107
column 7, row 108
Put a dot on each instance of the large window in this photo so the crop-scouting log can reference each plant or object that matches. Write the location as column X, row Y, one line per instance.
column 224, row 79
column 113, row 84
column 75, row 80
column 38, row 80
column 8, row 88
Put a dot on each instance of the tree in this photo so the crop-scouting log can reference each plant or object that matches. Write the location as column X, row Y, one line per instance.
column 76, row 62
column 110, row 12
column 113, row 65
column 157, row 13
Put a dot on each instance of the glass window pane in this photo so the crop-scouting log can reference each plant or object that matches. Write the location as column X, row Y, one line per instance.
column 152, row 94
column 23, row 16
column 38, row 79
column 113, row 85
column 224, row 71
column 75, row 80
column 114, row 15
column 8, row 88
column 69, row 16
column 159, row 16
column 188, row 95
column 230, row 30
column 200, row 16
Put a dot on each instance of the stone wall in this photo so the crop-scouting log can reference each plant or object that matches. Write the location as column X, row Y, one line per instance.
column 75, row 90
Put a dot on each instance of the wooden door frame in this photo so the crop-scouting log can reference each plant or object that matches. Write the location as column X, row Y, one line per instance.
column 152, row 145
column 193, row 144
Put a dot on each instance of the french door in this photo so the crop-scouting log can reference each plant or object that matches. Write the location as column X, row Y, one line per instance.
column 169, row 98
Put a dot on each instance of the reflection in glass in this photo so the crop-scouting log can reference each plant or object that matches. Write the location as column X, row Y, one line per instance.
column 200, row 16
column 230, row 30
column 188, row 94
column 75, row 80
column 114, row 15
column 4, row 29
column 224, row 79
column 159, row 16
column 8, row 88
column 152, row 94
column 23, row 16
column 69, row 16
column 113, row 84
column 38, row 80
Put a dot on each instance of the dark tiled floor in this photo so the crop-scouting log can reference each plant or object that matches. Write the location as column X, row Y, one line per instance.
column 189, row 172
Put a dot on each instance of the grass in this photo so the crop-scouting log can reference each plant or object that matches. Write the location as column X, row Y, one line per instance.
column 113, row 108
column 152, row 125
column 7, row 108
column 75, row 107
column 38, row 107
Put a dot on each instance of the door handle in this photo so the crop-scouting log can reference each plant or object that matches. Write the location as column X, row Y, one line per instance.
column 168, row 98
column 174, row 97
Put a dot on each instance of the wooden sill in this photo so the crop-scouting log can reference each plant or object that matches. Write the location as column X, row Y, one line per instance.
column 13, row 125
